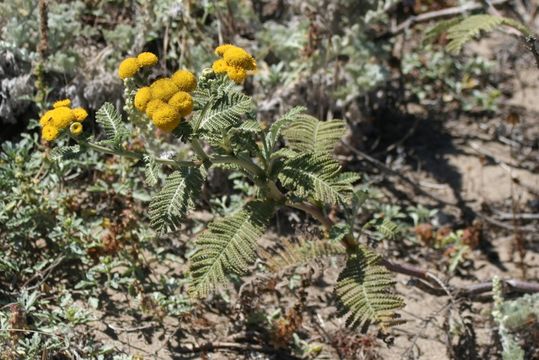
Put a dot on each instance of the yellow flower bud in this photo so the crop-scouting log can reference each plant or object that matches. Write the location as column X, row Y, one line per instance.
column 219, row 66
column 49, row 132
column 182, row 102
column 128, row 68
column 62, row 103
column 163, row 89
column 142, row 98
column 76, row 128
column 185, row 80
column 147, row 59
column 80, row 114
column 236, row 74
column 166, row 118
column 153, row 105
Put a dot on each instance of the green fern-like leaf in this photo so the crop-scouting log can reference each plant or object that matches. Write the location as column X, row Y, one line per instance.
column 284, row 121
column 111, row 121
column 250, row 126
column 151, row 170
column 176, row 197
column 243, row 139
column 223, row 112
column 364, row 293
column 293, row 255
column 65, row 152
column 469, row 28
column 317, row 176
column 183, row 131
column 284, row 153
column 217, row 88
column 227, row 246
column 433, row 32
column 388, row 229
column 308, row 134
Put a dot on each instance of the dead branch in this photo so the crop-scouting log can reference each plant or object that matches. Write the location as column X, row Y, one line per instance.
column 216, row 346
column 469, row 291
column 452, row 11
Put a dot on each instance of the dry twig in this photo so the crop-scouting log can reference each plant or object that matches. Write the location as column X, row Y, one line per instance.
column 452, row 11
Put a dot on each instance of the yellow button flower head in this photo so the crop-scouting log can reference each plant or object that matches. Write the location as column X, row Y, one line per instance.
column 128, row 68
column 182, row 102
column 49, row 132
column 219, row 66
column 76, row 128
column 163, row 89
column 153, row 105
column 220, row 50
column 166, row 118
column 62, row 117
column 147, row 59
column 62, row 103
column 142, row 98
column 46, row 119
column 235, row 62
column 170, row 126
column 238, row 57
column 80, row 114
column 185, row 80
column 236, row 74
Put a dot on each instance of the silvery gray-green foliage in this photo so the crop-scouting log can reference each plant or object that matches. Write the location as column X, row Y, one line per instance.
column 465, row 81
column 460, row 31
column 16, row 88
column 518, row 323
column 51, row 218
column 33, row 210
column 22, row 30
column 57, row 323
column 343, row 32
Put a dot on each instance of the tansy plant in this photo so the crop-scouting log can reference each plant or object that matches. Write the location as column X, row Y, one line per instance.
column 290, row 164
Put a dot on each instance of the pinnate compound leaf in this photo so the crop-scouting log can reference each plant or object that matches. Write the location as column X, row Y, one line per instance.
column 365, row 292
column 228, row 246
column 308, row 134
column 175, row 199
column 318, row 176
column 111, row 121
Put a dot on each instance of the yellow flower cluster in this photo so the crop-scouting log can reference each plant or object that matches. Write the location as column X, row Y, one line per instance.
column 130, row 66
column 167, row 100
column 60, row 117
column 235, row 62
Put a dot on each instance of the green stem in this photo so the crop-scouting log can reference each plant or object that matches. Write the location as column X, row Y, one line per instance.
column 314, row 211
column 251, row 167
column 199, row 151
column 348, row 241
column 274, row 192
column 137, row 155
column 246, row 164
